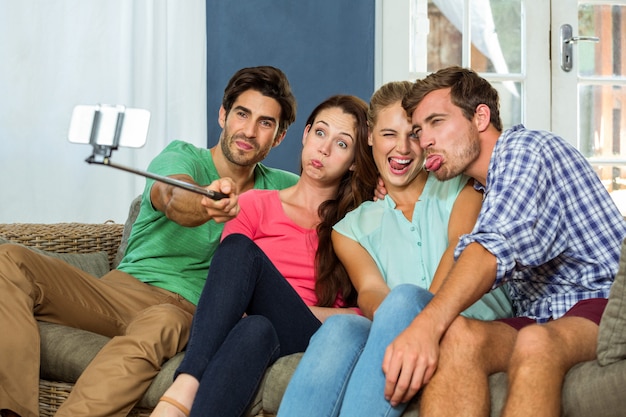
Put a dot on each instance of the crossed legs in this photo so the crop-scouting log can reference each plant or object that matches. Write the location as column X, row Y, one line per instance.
column 536, row 360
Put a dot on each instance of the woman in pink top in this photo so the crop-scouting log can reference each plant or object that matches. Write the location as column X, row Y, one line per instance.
column 275, row 277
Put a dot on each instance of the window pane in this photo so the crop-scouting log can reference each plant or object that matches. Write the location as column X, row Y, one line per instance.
column 498, row 35
column 603, row 137
column 510, row 102
column 608, row 23
column 495, row 34
column 602, row 120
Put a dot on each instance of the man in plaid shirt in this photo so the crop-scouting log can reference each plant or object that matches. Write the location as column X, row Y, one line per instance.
column 547, row 227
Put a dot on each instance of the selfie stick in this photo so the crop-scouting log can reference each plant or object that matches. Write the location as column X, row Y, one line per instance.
column 214, row 195
column 102, row 156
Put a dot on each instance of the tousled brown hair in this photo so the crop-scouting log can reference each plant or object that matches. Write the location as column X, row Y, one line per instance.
column 269, row 81
column 467, row 91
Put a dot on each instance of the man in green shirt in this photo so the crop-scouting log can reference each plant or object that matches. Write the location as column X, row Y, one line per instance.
column 146, row 304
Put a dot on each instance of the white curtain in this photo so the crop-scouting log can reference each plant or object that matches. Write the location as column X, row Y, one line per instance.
column 55, row 54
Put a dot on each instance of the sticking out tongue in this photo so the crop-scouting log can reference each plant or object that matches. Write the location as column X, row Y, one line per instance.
column 433, row 162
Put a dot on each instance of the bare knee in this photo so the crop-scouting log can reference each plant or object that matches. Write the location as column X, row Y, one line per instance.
column 464, row 336
column 537, row 345
column 534, row 340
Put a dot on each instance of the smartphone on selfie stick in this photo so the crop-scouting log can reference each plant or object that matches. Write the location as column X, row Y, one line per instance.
column 108, row 127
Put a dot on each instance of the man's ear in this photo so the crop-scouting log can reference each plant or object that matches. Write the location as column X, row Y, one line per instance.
column 482, row 117
column 221, row 118
column 278, row 139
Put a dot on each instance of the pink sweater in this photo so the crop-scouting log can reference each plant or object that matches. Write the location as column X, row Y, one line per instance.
column 291, row 248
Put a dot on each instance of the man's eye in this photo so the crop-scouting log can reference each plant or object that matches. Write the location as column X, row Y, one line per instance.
column 319, row 132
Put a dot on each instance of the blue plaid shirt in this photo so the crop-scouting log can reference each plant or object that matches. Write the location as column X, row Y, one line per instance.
column 549, row 221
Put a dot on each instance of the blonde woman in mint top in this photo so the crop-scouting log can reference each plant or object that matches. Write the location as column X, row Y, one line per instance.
column 396, row 251
column 274, row 279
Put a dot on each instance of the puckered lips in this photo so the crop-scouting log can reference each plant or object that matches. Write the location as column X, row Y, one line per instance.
column 244, row 145
column 399, row 165
column 433, row 162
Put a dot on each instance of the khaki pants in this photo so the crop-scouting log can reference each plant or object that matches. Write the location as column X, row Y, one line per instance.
column 147, row 324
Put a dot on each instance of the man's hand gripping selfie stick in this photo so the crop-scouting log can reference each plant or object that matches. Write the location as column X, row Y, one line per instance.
column 106, row 139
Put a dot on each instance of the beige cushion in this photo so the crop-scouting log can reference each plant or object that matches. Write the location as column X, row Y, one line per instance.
column 612, row 334
column 97, row 263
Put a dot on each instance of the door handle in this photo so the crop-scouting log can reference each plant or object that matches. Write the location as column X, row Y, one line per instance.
column 567, row 43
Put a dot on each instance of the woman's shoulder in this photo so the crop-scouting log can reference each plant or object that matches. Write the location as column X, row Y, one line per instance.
column 445, row 189
column 259, row 197
column 365, row 216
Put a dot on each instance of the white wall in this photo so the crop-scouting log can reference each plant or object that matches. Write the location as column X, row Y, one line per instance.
column 55, row 54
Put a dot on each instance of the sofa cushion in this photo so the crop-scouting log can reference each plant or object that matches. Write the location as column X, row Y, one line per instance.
column 96, row 263
column 133, row 212
column 66, row 351
column 612, row 333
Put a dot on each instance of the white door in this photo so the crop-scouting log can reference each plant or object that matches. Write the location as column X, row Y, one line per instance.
column 589, row 85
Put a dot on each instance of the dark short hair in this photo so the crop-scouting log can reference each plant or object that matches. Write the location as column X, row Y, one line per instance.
column 467, row 91
column 267, row 80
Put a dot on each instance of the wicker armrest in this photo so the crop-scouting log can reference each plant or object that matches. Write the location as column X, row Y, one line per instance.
column 67, row 237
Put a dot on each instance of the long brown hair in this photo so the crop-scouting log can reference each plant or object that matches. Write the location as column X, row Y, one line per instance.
column 355, row 187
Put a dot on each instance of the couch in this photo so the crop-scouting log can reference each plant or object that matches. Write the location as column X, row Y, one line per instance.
column 592, row 388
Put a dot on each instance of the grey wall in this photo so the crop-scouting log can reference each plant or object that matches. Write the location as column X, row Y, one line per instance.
column 325, row 47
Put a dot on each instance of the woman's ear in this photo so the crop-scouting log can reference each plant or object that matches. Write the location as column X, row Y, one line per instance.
column 369, row 137
column 306, row 132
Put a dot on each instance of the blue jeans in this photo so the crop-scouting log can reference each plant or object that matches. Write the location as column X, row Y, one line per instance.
column 229, row 354
column 341, row 371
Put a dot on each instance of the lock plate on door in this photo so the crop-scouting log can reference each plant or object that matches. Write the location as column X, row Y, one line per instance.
column 567, row 45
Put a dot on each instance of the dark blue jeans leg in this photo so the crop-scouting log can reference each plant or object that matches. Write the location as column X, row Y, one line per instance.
column 231, row 379
column 243, row 280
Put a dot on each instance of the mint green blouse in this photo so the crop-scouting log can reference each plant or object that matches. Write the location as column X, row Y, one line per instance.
column 409, row 251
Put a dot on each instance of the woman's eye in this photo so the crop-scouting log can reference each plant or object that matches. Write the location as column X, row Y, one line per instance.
column 342, row 144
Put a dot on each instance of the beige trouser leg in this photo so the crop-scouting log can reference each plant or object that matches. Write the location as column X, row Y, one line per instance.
column 148, row 325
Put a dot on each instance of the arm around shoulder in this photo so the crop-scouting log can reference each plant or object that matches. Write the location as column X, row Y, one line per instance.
column 462, row 220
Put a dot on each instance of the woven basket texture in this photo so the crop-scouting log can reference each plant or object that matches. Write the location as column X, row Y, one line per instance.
column 52, row 394
column 67, row 237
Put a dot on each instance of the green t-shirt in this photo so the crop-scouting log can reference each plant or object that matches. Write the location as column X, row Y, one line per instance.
column 165, row 254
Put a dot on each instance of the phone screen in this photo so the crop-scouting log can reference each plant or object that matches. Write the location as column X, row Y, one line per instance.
column 104, row 122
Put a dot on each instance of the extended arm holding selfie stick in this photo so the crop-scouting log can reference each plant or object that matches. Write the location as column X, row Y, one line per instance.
column 108, row 127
